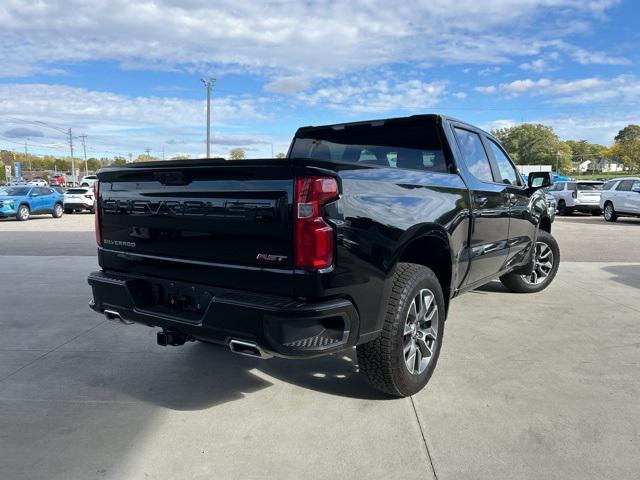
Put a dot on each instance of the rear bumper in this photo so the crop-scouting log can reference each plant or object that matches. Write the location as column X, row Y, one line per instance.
column 77, row 205
column 281, row 326
column 587, row 207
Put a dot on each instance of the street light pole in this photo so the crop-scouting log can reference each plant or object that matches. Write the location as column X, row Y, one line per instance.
column 209, row 84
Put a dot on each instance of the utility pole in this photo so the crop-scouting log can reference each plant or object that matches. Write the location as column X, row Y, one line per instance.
column 84, row 149
column 27, row 157
column 162, row 152
column 209, row 84
column 73, row 160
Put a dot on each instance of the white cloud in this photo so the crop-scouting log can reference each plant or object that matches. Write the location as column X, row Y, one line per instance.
column 459, row 95
column 287, row 85
column 380, row 96
column 580, row 91
column 585, row 57
column 317, row 38
column 485, row 72
column 119, row 122
column 490, row 89
column 538, row 65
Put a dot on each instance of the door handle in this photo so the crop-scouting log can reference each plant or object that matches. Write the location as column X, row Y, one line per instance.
column 480, row 201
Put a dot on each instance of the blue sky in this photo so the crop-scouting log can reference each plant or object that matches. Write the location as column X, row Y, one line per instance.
column 126, row 74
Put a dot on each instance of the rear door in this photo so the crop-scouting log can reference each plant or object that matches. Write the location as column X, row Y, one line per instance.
column 622, row 200
column 490, row 207
column 521, row 229
column 589, row 192
column 634, row 197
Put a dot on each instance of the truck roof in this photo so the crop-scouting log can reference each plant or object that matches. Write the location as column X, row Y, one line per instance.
column 423, row 116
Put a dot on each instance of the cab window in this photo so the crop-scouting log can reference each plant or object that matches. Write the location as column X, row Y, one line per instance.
column 474, row 154
column 507, row 170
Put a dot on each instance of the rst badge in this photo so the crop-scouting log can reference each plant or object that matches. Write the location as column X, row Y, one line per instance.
column 266, row 257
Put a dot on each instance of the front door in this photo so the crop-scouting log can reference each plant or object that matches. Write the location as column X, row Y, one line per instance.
column 489, row 244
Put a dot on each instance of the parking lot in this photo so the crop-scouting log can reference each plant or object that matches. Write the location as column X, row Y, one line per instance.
column 527, row 386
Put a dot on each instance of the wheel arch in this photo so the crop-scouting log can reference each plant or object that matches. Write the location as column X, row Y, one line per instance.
column 430, row 247
column 545, row 224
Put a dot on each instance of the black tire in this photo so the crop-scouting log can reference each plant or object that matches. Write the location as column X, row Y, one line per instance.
column 610, row 214
column 525, row 283
column 596, row 213
column 563, row 209
column 58, row 211
column 384, row 361
column 92, row 210
column 23, row 213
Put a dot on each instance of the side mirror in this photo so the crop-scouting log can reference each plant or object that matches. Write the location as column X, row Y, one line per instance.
column 539, row 180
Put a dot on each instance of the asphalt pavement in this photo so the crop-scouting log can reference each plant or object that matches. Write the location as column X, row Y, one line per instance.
column 527, row 386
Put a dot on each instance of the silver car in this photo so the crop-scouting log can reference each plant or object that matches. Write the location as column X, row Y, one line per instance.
column 580, row 195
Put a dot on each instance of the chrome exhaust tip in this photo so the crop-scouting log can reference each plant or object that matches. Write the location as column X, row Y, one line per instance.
column 250, row 349
column 113, row 315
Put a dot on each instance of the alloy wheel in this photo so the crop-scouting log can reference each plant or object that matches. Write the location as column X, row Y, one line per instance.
column 543, row 265
column 420, row 332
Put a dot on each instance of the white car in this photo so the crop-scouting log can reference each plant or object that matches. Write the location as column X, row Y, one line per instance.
column 77, row 199
column 581, row 195
column 88, row 181
column 37, row 182
column 621, row 198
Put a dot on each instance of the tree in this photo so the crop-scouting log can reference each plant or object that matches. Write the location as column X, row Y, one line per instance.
column 626, row 150
column 237, row 154
column 281, row 155
column 530, row 144
column 582, row 151
column 145, row 157
column 628, row 133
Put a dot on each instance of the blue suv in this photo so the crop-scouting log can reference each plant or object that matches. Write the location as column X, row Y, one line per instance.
column 24, row 201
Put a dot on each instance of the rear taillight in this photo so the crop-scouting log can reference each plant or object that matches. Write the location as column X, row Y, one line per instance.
column 314, row 238
column 96, row 209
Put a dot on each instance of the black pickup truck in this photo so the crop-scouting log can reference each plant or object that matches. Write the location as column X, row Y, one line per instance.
column 360, row 237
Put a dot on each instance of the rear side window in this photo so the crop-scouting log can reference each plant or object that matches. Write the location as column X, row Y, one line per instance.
column 474, row 155
column 589, row 186
column 625, row 186
column 609, row 185
column 393, row 144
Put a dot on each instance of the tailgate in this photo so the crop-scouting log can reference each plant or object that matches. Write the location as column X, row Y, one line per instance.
column 220, row 224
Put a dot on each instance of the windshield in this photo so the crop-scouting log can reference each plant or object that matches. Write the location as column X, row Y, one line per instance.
column 589, row 186
column 15, row 191
column 395, row 144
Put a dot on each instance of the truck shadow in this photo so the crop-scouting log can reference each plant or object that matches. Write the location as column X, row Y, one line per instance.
column 203, row 376
column 628, row 275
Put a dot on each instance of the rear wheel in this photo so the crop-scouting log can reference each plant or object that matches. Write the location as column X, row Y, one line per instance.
column 401, row 361
column 545, row 267
column 23, row 213
column 563, row 209
column 57, row 211
column 610, row 212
